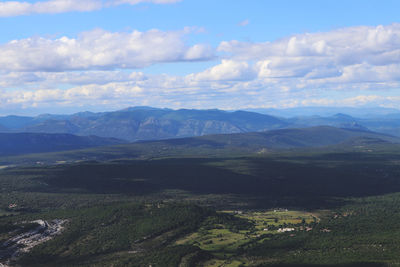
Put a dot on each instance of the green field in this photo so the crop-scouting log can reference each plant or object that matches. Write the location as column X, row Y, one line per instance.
column 224, row 241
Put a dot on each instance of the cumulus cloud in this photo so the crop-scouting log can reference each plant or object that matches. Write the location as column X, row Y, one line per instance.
column 121, row 89
column 353, row 66
column 356, row 42
column 40, row 80
column 124, row 94
column 16, row 8
column 355, row 101
column 228, row 70
column 360, row 52
column 99, row 49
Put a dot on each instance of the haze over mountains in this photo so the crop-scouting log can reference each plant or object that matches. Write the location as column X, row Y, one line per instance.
column 221, row 145
column 145, row 123
column 324, row 111
column 25, row 143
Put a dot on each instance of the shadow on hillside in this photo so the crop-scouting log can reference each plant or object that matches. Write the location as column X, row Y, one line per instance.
column 267, row 181
column 355, row 264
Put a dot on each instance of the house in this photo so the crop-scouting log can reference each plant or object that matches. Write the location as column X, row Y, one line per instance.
column 283, row 230
column 12, row 206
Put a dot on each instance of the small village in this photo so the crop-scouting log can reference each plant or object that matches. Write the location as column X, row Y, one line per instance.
column 24, row 242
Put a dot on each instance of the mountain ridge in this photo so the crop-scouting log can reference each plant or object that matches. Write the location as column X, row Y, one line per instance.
column 321, row 138
column 27, row 143
column 150, row 123
column 147, row 123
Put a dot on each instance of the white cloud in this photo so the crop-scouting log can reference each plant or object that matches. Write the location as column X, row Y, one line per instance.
column 40, row 80
column 327, row 54
column 356, row 101
column 228, row 70
column 16, row 8
column 352, row 66
column 99, row 49
column 356, row 42
column 121, row 89
column 124, row 94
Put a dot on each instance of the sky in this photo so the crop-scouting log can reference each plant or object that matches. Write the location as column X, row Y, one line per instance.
column 65, row 56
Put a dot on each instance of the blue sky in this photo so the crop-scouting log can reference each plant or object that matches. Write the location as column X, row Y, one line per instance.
column 67, row 55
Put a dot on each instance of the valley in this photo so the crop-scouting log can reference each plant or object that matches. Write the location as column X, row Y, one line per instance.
column 283, row 208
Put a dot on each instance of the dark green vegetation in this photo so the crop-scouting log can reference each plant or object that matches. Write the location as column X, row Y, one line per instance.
column 366, row 230
column 302, row 176
column 121, row 234
column 160, row 203
column 323, row 137
column 25, row 143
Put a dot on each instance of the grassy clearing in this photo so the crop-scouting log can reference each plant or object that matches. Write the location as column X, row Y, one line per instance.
column 224, row 242
column 269, row 221
column 230, row 263
column 216, row 240
column 7, row 213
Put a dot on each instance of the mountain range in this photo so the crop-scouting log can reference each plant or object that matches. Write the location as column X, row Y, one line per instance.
column 359, row 112
column 311, row 137
column 146, row 123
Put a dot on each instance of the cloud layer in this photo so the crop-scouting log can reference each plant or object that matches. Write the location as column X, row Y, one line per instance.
column 16, row 8
column 349, row 66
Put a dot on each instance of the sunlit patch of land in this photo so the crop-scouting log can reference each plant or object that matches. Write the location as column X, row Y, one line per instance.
column 223, row 241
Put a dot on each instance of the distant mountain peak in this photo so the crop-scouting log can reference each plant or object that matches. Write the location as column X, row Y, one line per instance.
column 342, row 115
column 143, row 108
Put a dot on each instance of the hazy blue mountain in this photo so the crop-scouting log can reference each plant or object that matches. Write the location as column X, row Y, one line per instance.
column 53, row 126
column 295, row 138
column 363, row 112
column 388, row 124
column 339, row 120
column 3, row 129
column 16, row 122
column 44, row 117
column 25, row 143
column 150, row 123
column 147, row 123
